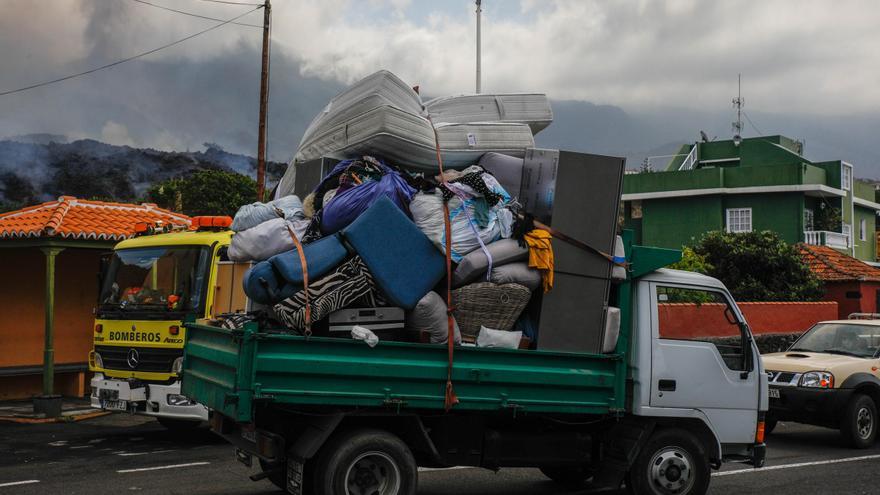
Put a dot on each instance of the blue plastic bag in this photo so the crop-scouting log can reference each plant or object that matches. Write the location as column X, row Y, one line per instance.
column 347, row 205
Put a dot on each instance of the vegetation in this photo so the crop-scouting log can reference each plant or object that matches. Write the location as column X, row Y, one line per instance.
column 205, row 192
column 755, row 266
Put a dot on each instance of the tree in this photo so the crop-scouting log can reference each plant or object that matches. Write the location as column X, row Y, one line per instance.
column 758, row 266
column 205, row 192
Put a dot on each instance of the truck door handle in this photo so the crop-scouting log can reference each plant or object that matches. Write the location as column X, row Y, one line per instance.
column 666, row 385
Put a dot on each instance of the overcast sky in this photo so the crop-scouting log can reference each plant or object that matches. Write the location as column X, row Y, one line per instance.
column 797, row 57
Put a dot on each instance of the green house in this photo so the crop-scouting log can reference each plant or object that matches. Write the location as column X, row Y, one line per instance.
column 761, row 183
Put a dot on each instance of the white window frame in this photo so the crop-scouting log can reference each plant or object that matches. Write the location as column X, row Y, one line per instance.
column 863, row 230
column 739, row 220
column 809, row 219
column 846, row 177
column 847, row 231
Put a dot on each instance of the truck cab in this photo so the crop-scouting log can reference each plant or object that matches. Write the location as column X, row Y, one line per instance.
column 152, row 284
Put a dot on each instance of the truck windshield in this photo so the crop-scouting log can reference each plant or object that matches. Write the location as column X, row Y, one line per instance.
column 161, row 279
column 840, row 338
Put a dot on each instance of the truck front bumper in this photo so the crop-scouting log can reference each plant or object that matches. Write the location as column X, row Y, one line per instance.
column 150, row 399
column 815, row 406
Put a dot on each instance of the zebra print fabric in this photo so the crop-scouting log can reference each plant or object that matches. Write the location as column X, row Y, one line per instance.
column 350, row 283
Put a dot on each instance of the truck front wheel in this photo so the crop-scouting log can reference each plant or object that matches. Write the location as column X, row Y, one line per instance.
column 366, row 462
column 672, row 463
column 859, row 424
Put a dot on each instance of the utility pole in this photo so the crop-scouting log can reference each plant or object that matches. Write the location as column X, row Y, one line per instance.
column 479, row 48
column 264, row 104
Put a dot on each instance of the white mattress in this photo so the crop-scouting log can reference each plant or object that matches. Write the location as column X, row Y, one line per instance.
column 382, row 116
column 523, row 108
column 379, row 88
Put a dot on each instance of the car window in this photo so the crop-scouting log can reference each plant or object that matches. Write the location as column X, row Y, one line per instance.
column 703, row 316
column 840, row 338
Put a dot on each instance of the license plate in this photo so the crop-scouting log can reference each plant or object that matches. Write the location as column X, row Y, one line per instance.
column 114, row 405
column 773, row 393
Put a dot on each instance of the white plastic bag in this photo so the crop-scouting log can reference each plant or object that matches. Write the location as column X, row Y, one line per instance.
column 427, row 212
column 360, row 333
column 266, row 239
column 500, row 339
column 249, row 216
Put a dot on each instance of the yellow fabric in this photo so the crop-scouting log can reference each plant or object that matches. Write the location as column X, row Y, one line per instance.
column 541, row 255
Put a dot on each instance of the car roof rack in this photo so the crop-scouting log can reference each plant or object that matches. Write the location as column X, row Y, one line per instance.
column 863, row 316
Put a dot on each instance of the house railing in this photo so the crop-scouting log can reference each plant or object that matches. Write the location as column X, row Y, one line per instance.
column 834, row 240
column 690, row 160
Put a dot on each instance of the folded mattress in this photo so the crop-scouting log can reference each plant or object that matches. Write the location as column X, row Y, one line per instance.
column 377, row 89
column 532, row 109
column 407, row 139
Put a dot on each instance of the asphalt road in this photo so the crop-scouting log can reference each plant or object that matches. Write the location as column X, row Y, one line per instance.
column 129, row 454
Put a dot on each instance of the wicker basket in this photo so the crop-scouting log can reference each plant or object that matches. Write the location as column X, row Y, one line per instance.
column 487, row 304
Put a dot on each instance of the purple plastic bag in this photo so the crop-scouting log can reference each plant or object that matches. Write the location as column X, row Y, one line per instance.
column 349, row 204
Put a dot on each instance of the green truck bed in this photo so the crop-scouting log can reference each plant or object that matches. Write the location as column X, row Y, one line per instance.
column 228, row 370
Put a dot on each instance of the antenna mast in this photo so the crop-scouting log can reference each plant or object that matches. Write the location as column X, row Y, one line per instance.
column 738, row 103
column 479, row 11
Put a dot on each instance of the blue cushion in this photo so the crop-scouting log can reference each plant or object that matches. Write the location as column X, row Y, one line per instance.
column 323, row 255
column 404, row 263
column 263, row 285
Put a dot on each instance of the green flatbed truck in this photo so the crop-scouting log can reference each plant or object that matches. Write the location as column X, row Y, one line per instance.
column 334, row 416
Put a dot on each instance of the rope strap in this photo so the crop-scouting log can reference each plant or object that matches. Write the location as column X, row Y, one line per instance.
column 305, row 273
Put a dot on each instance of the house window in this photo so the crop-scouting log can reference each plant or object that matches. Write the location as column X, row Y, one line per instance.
column 847, row 231
column 863, row 230
column 739, row 219
column 846, row 177
column 808, row 219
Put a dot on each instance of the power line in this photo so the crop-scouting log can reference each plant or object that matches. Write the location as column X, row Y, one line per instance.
column 232, row 3
column 194, row 15
column 753, row 124
column 139, row 55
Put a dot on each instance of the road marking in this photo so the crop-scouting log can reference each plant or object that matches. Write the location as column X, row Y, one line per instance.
column 428, row 470
column 126, row 454
column 16, row 483
column 798, row 465
column 156, row 468
column 81, row 447
column 59, row 443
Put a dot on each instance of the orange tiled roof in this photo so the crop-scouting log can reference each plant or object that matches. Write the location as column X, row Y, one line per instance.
column 73, row 218
column 831, row 265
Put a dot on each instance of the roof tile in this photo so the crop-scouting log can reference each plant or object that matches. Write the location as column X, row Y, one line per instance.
column 73, row 218
column 833, row 266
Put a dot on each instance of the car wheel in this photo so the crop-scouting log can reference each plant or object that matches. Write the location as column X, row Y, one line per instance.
column 859, row 423
column 673, row 462
column 568, row 476
column 366, row 462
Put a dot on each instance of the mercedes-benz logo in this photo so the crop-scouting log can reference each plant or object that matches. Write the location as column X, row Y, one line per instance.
column 133, row 358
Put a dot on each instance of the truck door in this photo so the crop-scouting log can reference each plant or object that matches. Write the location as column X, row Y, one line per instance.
column 702, row 358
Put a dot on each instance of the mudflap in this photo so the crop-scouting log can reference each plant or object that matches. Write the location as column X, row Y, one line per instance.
column 620, row 448
column 294, row 476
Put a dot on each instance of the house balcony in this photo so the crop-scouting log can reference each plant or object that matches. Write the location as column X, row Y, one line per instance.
column 834, row 240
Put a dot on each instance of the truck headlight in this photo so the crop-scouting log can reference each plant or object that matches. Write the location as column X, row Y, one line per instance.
column 817, row 379
column 95, row 361
column 177, row 366
column 179, row 400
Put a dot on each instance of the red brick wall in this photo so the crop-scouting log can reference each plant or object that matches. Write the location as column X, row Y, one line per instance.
column 688, row 320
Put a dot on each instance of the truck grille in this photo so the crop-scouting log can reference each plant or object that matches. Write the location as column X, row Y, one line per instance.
column 149, row 359
column 783, row 378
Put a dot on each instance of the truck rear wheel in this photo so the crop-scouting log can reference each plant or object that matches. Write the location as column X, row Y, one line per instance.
column 366, row 462
column 672, row 463
column 859, row 425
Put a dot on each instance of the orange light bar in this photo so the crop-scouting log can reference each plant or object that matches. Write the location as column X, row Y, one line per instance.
column 759, row 433
column 213, row 222
column 141, row 228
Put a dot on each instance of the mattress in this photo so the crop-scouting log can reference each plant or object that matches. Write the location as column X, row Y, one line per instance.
column 406, row 139
column 379, row 88
column 532, row 109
